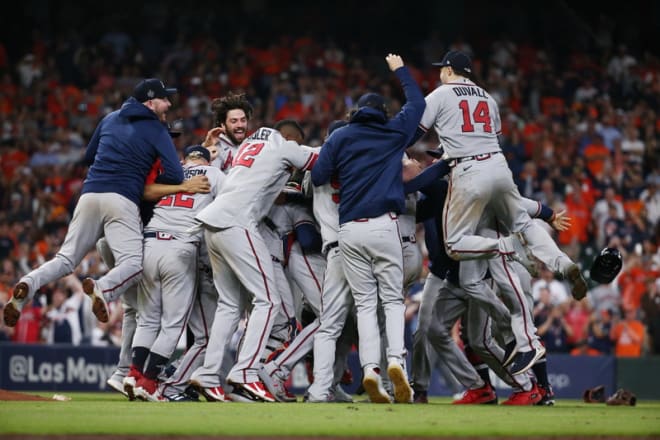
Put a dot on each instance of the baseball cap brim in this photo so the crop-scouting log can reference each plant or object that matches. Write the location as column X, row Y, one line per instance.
column 171, row 91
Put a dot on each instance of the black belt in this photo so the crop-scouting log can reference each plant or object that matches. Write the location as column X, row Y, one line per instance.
column 454, row 162
column 275, row 259
column 411, row 239
column 159, row 235
column 329, row 247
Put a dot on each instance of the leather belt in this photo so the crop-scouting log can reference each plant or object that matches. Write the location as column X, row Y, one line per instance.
column 484, row 156
column 159, row 235
column 411, row 239
column 330, row 246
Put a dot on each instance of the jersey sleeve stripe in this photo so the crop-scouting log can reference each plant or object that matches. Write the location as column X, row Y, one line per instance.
column 423, row 128
column 310, row 162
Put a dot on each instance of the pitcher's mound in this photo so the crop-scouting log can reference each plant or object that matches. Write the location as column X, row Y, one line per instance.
column 12, row 395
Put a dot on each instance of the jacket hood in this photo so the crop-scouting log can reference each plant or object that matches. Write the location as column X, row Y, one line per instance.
column 368, row 114
column 132, row 109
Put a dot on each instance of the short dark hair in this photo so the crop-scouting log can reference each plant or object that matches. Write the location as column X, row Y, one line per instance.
column 232, row 101
column 291, row 123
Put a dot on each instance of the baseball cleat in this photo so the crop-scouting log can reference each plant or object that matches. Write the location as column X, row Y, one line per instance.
column 12, row 310
column 578, row 284
column 340, row 396
column 373, row 385
column 181, row 397
column 403, row 393
column 420, row 395
column 509, row 353
column 117, row 385
column 211, row 394
column 547, row 396
column 257, row 389
column 523, row 361
column 309, row 398
column 147, row 390
column 525, row 398
column 484, row 395
column 11, row 313
column 130, row 382
column 275, row 385
column 99, row 306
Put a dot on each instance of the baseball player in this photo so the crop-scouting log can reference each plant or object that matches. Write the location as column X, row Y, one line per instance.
column 337, row 302
column 240, row 257
column 467, row 121
column 231, row 116
column 367, row 157
column 452, row 302
column 166, row 291
column 153, row 191
column 121, row 152
column 305, row 268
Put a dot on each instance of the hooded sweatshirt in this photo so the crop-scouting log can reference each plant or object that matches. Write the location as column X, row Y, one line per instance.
column 366, row 155
column 123, row 149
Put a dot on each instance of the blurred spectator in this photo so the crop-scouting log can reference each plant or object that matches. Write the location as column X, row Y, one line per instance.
column 551, row 325
column 62, row 323
column 28, row 328
column 5, row 332
column 650, row 197
column 577, row 318
column 582, row 348
column 606, row 208
column 604, row 297
column 598, row 331
column 628, row 335
column 651, row 313
column 557, row 290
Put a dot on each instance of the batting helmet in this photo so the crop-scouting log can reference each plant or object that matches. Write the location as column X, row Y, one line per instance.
column 606, row 266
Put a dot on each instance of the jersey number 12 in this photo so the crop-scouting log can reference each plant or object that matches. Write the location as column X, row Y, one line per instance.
column 247, row 153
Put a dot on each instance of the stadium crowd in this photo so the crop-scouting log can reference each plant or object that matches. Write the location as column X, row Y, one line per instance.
column 581, row 132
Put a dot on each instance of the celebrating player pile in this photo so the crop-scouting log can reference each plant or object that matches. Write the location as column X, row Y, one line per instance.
column 229, row 242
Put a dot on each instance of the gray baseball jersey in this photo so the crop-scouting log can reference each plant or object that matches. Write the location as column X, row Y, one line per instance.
column 226, row 152
column 466, row 119
column 337, row 299
column 167, row 288
column 239, row 255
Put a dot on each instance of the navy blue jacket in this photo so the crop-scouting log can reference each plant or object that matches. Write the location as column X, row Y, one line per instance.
column 366, row 155
column 123, row 149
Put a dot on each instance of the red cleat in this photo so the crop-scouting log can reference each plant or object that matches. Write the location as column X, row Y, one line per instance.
column 525, row 398
column 484, row 395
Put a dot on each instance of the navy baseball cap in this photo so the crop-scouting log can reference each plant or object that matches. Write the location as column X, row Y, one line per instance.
column 151, row 88
column 456, row 60
column 197, row 150
column 373, row 100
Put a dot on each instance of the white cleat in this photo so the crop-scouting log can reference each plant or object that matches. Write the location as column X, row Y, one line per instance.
column 403, row 392
column 99, row 306
column 373, row 385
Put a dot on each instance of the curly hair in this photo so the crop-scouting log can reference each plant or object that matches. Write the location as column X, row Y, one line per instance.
column 232, row 101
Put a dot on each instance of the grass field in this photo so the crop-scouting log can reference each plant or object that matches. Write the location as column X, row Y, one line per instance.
column 106, row 413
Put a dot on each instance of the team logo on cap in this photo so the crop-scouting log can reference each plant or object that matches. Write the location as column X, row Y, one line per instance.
column 151, row 94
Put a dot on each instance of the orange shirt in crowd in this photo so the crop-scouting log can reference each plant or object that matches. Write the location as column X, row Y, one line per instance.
column 628, row 337
column 595, row 155
column 580, row 218
column 579, row 351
